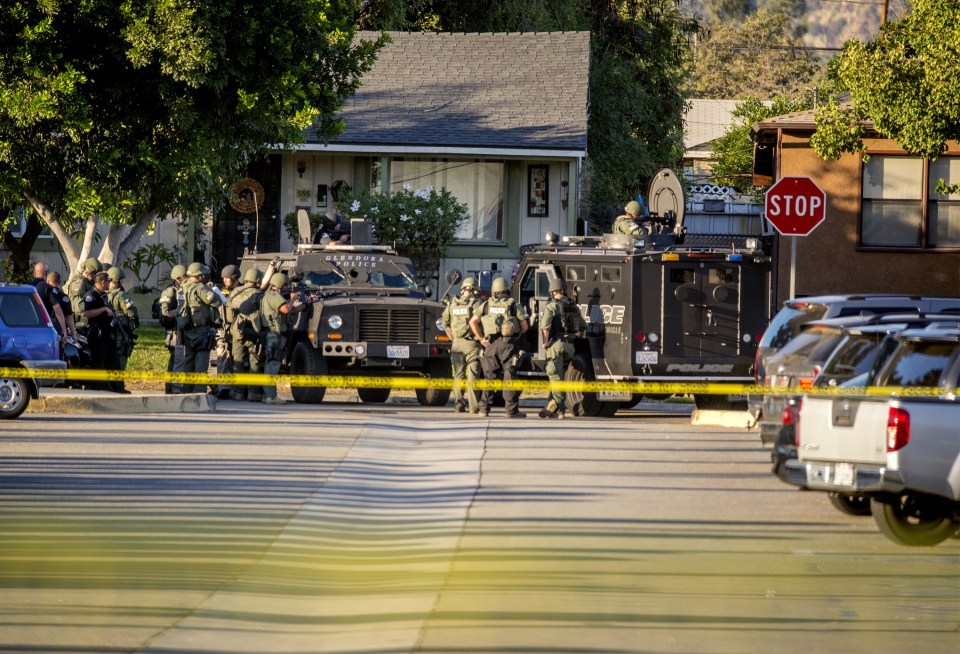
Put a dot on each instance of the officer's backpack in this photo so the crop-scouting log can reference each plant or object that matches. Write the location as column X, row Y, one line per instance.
column 243, row 311
column 569, row 318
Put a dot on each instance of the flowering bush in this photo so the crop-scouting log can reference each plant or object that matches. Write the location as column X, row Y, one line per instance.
column 421, row 223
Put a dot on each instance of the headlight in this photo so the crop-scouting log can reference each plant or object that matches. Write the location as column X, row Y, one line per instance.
column 440, row 326
column 335, row 322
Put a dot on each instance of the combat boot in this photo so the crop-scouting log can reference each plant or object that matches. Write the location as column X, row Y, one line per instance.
column 549, row 411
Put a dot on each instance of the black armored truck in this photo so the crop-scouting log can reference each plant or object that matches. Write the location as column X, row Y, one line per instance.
column 367, row 317
column 664, row 306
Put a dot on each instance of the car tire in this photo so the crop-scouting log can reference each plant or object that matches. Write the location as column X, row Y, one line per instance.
column 586, row 404
column 307, row 361
column 14, row 397
column 373, row 395
column 437, row 369
column 850, row 504
column 914, row 520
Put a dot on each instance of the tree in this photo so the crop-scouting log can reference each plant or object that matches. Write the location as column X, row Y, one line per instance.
column 754, row 56
column 124, row 112
column 904, row 80
column 733, row 151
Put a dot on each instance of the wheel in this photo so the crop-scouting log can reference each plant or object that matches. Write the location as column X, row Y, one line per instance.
column 14, row 397
column 850, row 504
column 373, row 395
column 586, row 404
column 307, row 361
column 438, row 369
column 914, row 520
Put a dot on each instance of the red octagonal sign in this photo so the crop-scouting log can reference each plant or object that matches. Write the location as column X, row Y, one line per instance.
column 795, row 205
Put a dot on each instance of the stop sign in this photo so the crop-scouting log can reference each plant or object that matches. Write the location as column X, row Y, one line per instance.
column 795, row 205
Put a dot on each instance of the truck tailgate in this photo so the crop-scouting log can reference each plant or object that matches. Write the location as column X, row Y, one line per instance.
column 852, row 430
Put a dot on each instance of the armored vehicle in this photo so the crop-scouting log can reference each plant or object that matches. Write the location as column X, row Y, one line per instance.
column 368, row 317
column 659, row 308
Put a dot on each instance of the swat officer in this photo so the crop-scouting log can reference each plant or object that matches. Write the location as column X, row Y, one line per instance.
column 101, row 325
column 79, row 287
column 497, row 323
column 276, row 309
column 628, row 223
column 246, row 326
column 465, row 352
column 196, row 318
column 560, row 323
column 223, row 352
column 170, row 300
column 128, row 318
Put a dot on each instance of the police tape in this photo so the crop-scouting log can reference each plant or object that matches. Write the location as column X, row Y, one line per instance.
column 446, row 383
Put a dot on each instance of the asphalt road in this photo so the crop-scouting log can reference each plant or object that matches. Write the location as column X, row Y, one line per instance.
column 357, row 529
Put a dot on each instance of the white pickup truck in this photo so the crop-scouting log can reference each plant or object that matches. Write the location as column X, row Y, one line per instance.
column 902, row 452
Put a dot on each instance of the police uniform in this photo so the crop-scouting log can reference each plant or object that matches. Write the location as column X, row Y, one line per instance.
column 170, row 298
column 224, row 348
column 128, row 319
column 245, row 336
column 562, row 321
column 627, row 223
column 196, row 324
column 500, row 317
column 465, row 351
column 275, row 339
column 79, row 287
column 100, row 338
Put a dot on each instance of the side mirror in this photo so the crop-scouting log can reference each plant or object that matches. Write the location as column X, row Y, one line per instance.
column 428, row 290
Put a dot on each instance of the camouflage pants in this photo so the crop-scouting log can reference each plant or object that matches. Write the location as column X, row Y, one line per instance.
column 246, row 358
column 557, row 356
column 465, row 361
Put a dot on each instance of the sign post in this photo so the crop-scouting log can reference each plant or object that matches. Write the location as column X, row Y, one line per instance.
column 795, row 206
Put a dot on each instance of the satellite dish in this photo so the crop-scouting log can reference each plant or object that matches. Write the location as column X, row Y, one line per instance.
column 666, row 194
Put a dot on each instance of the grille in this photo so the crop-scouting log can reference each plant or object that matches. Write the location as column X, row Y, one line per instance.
column 390, row 325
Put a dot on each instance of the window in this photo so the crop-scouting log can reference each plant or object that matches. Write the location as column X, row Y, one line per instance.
column 478, row 184
column 901, row 208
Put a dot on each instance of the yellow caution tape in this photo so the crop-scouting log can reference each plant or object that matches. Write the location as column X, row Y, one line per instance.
column 414, row 383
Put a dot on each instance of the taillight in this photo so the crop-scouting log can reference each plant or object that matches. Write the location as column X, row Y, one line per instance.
column 787, row 419
column 898, row 429
column 43, row 310
column 806, row 382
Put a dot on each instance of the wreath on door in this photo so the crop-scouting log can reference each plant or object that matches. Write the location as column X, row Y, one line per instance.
column 246, row 196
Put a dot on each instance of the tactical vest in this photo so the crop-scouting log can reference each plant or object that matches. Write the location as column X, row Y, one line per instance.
column 272, row 318
column 496, row 311
column 566, row 321
column 200, row 313
column 79, row 287
column 460, row 311
column 121, row 304
column 168, row 302
column 243, row 311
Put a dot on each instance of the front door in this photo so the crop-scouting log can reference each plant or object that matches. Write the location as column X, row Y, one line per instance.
column 240, row 226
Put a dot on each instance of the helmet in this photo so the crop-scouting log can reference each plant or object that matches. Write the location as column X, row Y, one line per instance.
column 196, row 269
column 91, row 265
column 557, row 284
column 499, row 285
column 278, row 280
column 633, row 207
column 253, row 275
column 115, row 274
column 468, row 282
column 230, row 271
column 178, row 271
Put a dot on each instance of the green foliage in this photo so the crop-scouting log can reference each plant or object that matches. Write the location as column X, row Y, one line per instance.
column 292, row 228
column 421, row 223
column 753, row 56
column 733, row 151
column 904, row 80
column 144, row 260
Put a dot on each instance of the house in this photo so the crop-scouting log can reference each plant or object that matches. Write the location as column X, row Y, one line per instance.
column 886, row 230
column 499, row 120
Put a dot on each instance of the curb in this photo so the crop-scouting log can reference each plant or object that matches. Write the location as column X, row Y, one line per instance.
column 111, row 403
column 734, row 419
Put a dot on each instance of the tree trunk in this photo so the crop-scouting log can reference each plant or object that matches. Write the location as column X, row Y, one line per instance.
column 20, row 268
column 69, row 246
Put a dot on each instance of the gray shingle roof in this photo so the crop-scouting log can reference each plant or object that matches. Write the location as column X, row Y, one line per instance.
column 474, row 90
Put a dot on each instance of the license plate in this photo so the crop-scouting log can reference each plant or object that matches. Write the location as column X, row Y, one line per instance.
column 843, row 474
column 652, row 358
column 614, row 396
column 398, row 351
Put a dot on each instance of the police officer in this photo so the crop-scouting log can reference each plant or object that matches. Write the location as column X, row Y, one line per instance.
column 196, row 319
column 101, row 324
column 276, row 309
column 560, row 324
column 465, row 352
column 128, row 318
column 243, row 310
column 223, row 352
column 170, row 298
column 628, row 223
column 497, row 323
column 79, row 287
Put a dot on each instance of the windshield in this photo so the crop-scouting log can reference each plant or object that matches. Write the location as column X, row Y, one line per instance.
column 376, row 277
column 853, row 356
column 805, row 342
column 786, row 324
column 917, row 364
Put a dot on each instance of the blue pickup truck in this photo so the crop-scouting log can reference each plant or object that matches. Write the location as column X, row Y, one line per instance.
column 27, row 340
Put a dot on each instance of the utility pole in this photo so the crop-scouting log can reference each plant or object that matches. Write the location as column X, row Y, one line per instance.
column 883, row 12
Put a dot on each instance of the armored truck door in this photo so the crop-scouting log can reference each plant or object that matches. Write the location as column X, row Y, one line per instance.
column 700, row 309
column 534, row 296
